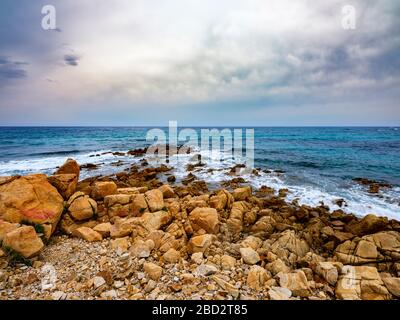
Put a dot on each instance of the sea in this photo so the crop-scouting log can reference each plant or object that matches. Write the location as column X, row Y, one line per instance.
column 316, row 164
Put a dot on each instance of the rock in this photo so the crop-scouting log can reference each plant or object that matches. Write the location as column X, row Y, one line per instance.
column 197, row 257
column 227, row 262
column 172, row 256
column 121, row 228
column 206, row 270
column 69, row 167
column 153, row 271
column 223, row 200
column 58, row 295
column 102, row 189
column 64, row 183
column 360, row 282
column 381, row 246
column 98, row 282
column 296, row 282
column 257, row 277
column 139, row 205
column 393, row 285
column 142, row 249
column 367, row 225
column 200, row 243
column 167, row 191
column 241, row 194
column 231, row 289
column 289, row 247
column 121, row 245
column 204, row 218
column 155, row 200
column 155, row 220
column 327, row 270
column 6, row 227
column 249, row 255
column 387, row 243
column 88, row 234
column 103, row 228
column 235, row 220
column 119, row 205
column 171, row 179
column 129, row 191
column 279, row 293
column 80, row 207
column 251, row 242
column 264, row 225
column 31, row 199
column 277, row 266
column 24, row 241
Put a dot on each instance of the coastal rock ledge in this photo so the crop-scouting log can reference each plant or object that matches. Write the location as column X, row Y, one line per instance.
column 131, row 236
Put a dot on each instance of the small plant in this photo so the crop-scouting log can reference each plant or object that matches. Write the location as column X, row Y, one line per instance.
column 142, row 210
column 15, row 257
column 164, row 209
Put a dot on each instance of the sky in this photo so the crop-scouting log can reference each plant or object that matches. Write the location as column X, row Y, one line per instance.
column 200, row 62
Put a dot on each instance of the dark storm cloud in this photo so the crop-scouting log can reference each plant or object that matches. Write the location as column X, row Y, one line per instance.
column 11, row 69
column 71, row 59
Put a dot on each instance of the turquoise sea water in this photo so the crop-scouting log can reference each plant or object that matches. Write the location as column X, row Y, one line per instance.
column 318, row 163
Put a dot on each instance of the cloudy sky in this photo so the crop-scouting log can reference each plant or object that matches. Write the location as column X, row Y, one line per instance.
column 200, row 62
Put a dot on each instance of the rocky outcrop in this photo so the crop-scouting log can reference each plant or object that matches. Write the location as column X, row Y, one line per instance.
column 32, row 200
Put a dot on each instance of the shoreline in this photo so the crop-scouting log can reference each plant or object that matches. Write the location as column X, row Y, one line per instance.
column 140, row 234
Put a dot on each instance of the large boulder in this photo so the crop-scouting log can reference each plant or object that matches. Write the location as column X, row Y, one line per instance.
column 296, row 282
column 204, row 218
column 24, row 241
column 361, row 282
column 102, row 189
column 64, row 183
column 31, row 199
column 242, row 194
column 118, row 205
column 80, row 207
column 367, row 225
column 69, row 167
column 289, row 247
column 6, row 227
column 154, row 200
column 381, row 246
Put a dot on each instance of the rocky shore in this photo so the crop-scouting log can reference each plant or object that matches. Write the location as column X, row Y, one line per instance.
column 132, row 236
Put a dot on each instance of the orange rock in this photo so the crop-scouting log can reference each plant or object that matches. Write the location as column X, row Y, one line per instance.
column 24, row 240
column 69, row 167
column 64, row 183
